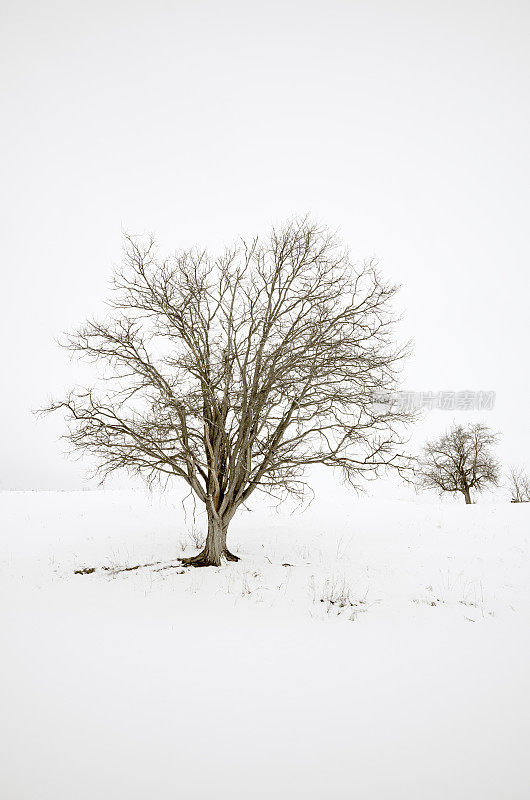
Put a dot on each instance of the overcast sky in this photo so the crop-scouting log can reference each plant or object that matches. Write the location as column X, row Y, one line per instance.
column 405, row 125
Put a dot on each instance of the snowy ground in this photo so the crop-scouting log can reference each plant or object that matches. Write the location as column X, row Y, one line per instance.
column 364, row 649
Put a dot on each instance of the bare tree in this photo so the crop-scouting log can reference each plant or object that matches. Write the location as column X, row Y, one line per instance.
column 519, row 485
column 236, row 373
column 460, row 461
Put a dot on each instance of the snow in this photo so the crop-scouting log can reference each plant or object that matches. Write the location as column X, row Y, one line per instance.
column 246, row 681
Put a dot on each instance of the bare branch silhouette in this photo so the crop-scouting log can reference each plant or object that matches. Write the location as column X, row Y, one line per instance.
column 519, row 485
column 460, row 461
column 235, row 373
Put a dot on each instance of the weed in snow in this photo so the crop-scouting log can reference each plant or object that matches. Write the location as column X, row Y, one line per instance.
column 336, row 596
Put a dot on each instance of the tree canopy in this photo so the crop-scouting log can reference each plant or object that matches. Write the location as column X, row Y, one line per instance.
column 461, row 460
column 236, row 372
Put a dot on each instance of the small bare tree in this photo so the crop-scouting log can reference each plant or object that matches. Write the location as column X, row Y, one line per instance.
column 519, row 485
column 460, row 461
column 235, row 373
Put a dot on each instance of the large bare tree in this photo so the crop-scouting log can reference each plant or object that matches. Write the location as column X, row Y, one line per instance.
column 460, row 461
column 235, row 373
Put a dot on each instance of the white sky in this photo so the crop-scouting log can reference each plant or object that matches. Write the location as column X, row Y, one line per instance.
column 403, row 124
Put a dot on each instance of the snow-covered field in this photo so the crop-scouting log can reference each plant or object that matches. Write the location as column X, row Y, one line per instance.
column 363, row 649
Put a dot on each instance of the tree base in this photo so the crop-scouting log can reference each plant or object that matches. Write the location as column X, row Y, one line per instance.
column 203, row 559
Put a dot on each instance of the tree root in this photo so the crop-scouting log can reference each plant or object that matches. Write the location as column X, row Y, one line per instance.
column 200, row 560
column 116, row 570
column 131, row 569
column 203, row 560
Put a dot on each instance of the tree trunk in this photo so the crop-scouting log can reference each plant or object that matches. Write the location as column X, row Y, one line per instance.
column 215, row 549
column 467, row 496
